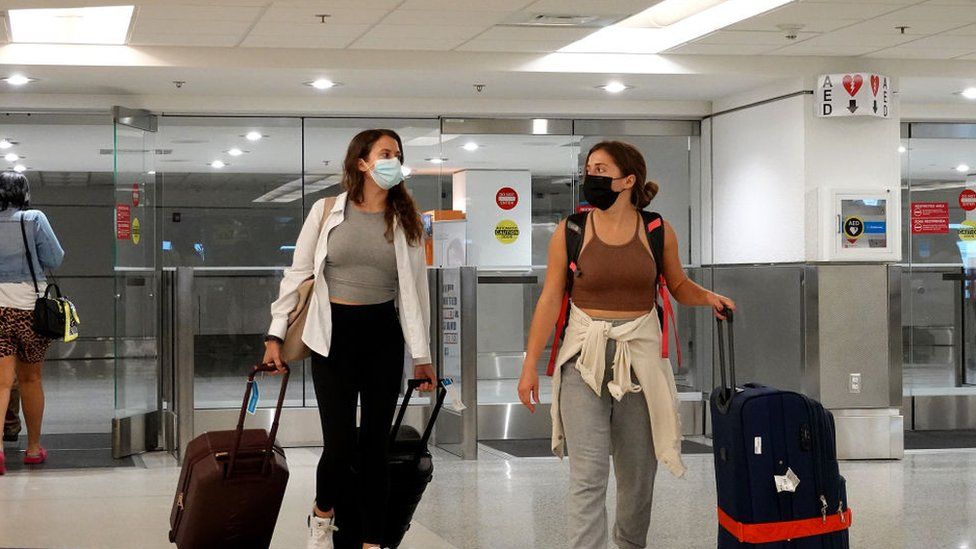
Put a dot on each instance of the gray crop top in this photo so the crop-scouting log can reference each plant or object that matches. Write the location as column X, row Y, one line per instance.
column 361, row 264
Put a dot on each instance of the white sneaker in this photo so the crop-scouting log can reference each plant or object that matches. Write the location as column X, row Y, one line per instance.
column 320, row 532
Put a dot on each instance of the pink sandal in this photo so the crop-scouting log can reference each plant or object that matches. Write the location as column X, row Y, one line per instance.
column 38, row 459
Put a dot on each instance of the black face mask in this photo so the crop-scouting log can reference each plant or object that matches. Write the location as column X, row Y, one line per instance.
column 598, row 192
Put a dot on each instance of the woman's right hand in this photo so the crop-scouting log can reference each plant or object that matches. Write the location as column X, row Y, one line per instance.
column 528, row 387
column 272, row 355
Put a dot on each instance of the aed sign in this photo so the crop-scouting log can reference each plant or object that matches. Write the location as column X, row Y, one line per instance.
column 853, row 94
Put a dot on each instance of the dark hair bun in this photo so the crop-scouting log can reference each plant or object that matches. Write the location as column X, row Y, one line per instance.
column 651, row 189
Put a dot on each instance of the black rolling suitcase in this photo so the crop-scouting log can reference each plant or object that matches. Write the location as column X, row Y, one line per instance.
column 777, row 478
column 411, row 470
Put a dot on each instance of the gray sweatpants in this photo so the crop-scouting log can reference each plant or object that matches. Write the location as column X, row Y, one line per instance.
column 596, row 426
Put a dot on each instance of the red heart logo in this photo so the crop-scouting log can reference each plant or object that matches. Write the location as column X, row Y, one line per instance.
column 853, row 84
column 875, row 84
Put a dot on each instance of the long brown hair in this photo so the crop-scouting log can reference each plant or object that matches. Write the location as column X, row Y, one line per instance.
column 631, row 162
column 400, row 206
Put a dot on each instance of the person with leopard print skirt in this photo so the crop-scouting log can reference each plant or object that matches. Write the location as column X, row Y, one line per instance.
column 22, row 350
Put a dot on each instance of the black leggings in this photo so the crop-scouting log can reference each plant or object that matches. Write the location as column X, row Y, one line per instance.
column 366, row 361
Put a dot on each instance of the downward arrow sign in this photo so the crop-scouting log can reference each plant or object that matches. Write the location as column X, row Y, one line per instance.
column 853, row 106
column 875, row 107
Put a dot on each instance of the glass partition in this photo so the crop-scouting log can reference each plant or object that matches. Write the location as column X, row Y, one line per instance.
column 68, row 159
column 939, row 302
column 136, row 281
column 232, row 196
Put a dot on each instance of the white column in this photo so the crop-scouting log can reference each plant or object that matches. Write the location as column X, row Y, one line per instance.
column 498, row 209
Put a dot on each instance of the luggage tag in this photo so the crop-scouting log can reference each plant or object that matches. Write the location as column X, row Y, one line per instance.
column 455, row 399
column 787, row 482
column 252, row 403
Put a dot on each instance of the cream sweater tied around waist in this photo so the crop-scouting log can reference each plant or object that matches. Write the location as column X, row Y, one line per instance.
column 638, row 353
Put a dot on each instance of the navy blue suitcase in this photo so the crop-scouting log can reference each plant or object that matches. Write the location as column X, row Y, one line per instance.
column 776, row 473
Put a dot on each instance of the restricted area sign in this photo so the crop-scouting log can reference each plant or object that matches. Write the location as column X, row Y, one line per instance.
column 123, row 222
column 967, row 200
column 930, row 218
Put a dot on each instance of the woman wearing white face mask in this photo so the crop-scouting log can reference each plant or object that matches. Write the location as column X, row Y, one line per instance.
column 369, row 301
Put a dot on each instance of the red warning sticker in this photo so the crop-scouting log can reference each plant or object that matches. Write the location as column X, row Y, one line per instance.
column 506, row 198
column 967, row 200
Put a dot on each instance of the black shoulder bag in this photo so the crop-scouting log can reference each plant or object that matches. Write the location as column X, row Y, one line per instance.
column 54, row 317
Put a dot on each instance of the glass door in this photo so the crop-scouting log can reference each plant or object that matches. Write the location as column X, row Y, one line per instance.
column 939, row 323
column 136, row 425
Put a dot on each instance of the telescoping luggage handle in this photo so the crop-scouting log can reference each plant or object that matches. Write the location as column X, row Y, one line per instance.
column 724, row 401
column 413, row 384
column 269, row 449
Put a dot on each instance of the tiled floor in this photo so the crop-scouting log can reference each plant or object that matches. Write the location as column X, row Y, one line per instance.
column 926, row 500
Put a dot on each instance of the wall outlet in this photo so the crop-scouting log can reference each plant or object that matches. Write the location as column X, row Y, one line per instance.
column 855, row 384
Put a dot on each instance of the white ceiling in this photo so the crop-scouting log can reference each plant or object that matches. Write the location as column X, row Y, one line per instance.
column 440, row 25
column 937, row 29
column 254, row 55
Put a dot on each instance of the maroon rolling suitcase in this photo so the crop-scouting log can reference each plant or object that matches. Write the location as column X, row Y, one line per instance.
column 231, row 485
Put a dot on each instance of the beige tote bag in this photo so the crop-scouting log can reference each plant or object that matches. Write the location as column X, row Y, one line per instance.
column 294, row 349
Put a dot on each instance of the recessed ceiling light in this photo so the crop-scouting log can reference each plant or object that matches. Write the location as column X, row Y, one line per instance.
column 99, row 25
column 20, row 168
column 151, row 172
column 614, row 87
column 217, row 164
column 322, row 84
column 962, row 168
column 18, row 80
column 11, row 157
column 253, row 136
column 437, row 160
column 406, row 171
column 968, row 93
column 470, row 146
column 902, row 149
column 5, row 144
column 540, row 126
column 235, row 152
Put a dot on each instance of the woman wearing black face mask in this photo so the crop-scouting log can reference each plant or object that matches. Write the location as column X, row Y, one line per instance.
column 612, row 384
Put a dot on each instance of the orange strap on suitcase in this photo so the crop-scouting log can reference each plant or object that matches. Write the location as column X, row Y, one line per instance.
column 770, row 532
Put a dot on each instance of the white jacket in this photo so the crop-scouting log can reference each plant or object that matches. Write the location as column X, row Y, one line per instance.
column 311, row 249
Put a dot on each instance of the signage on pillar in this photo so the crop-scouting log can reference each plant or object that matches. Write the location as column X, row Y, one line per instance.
column 498, row 210
column 967, row 231
column 506, row 198
column 930, row 218
column 853, row 94
column 967, row 200
column 507, row 231
column 123, row 222
column 853, row 229
column 135, row 195
column 136, row 231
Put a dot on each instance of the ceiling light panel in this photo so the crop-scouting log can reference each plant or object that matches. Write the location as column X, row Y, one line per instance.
column 99, row 25
column 629, row 36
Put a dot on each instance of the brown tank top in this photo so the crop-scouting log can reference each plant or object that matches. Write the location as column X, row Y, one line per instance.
column 615, row 278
